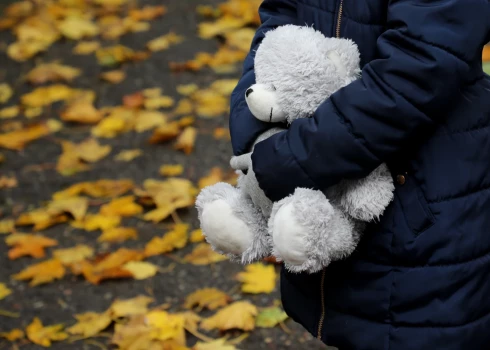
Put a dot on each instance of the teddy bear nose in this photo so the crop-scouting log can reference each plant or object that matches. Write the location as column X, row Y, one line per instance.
column 248, row 92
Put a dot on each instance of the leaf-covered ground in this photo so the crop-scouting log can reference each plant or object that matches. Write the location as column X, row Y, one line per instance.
column 113, row 113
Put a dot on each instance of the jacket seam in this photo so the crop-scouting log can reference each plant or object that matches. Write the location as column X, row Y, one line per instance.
column 459, row 196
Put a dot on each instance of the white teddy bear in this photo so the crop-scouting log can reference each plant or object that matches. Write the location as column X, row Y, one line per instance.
column 296, row 69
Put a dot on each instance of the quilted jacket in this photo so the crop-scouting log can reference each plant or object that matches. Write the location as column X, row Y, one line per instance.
column 420, row 278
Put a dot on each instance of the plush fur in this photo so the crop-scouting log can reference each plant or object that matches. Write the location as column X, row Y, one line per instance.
column 296, row 69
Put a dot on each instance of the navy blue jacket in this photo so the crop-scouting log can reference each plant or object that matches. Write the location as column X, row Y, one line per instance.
column 420, row 278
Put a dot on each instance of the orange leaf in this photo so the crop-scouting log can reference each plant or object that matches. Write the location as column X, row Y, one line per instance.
column 165, row 132
column 52, row 72
column 44, row 272
column 486, row 53
column 118, row 234
column 98, row 189
column 175, row 239
column 17, row 140
column 81, row 111
column 203, row 254
column 147, row 13
column 113, row 76
column 27, row 244
column 210, row 298
column 123, row 206
column 135, row 100
column 186, row 140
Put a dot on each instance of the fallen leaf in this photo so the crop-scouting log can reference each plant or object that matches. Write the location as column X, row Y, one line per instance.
column 28, row 245
column 210, row 103
column 86, row 47
column 40, row 218
column 118, row 234
column 164, row 42
column 270, row 317
column 203, row 254
column 82, row 112
column 113, row 55
column 95, row 278
column 210, row 298
column 113, row 76
column 75, row 156
column 218, row 344
column 9, row 112
column 166, row 326
column 117, row 259
column 221, row 134
column 6, row 92
column 123, row 206
column 239, row 315
column 171, row 170
column 186, row 121
column 146, row 120
column 175, row 239
column 17, row 140
column 93, row 222
column 8, row 182
column 43, row 336
column 46, row 95
column 76, row 28
column 186, row 140
column 52, row 72
column 90, row 324
column 196, row 236
column 187, row 90
column 4, row 291
column 214, row 176
column 73, row 255
column 165, row 133
column 128, row 155
column 7, row 226
column 130, row 307
column 13, row 335
column 43, row 272
column 240, row 39
column 99, row 189
column 159, row 102
column 185, row 106
column 147, row 13
column 135, row 100
column 33, row 112
column 140, row 269
column 258, row 278
column 76, row 206
column 208, row 30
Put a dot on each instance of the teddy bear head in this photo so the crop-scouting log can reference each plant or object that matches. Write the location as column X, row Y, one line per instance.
column 296, row 69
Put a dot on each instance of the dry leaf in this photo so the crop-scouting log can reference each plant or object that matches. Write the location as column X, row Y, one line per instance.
column 166, row 326
column 221, row 134
column 28, row 245
column 239, row 315
column 163, row 42
column 90, row 324
column 140, row 269
column 86, row 47
column 33, row 112
column 7, row 226
column 185, row 106
column 152, row 92
column 76, row 206
column 113, row 55
column 13, row 335
column 40, row 273
column 214, row 176
column 93, row 222
column 135, row 100
column 113, row 76
column 6, row 92
column 196, row 236
column 146, row 120
column 4, row 291
column 218, row 344
column 40, row 335
column 164, row 133
column 186, row 140
column 52, row 72
column 73, row 255
column 98, row 189
column 171, row 170
column 147, row 13
column 123, row 206
column 187, row 90
column 258, row 278
column 17, row 140
column 82, row 112
column 117, row 259
column 76, row 28
column 118, row 234
column 9, row 112
column 207, row 30
column 8, row 182
column 240, row 39
column 270, row 317
column 128, row 155
column 46, row 95
column 159, row 102
column 130, row 307
column 203, row 254
column 210, row 298
column 75, row 156
column 40, row 218
column 175, row 239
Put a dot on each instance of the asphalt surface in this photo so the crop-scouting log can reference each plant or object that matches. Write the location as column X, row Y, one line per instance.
column 34, row 168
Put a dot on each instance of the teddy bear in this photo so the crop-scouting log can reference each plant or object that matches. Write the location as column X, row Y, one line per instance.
column 296, row 69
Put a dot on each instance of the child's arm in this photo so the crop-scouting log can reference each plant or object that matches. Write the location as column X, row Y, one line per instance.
column 431, row 50
column 244, row 127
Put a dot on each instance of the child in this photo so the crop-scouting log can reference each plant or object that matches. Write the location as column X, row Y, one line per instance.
column 420, row 278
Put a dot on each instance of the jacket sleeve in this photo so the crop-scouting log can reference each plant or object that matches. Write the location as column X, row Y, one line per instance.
column 244, row 127
column 429, row 51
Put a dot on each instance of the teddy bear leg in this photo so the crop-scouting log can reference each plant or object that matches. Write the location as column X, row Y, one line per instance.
column 366, row 199
column 308, row 232
column 232, row 224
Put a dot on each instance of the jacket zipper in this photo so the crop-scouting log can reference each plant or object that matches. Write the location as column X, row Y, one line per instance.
column 322, row 283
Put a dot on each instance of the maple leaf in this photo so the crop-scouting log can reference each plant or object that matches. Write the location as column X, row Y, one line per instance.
column 123, row 206
column 163, row 42
column 13, row 335
column 130, row 307
column 43, row 336
column 185, row 106
column 270, row 317
column 7, row 226
column 166, row 326
column 118, row 234
column 94, row 222
column 128, row 155
column 113, row 55
column 52, row 72
column 240, row 39
column 159, row 102
column 27, row 244
column 196, row 236
column 258, row 278
column 43, row 272
column 218, row 344
column 9, row 112
column 113, row 76
column 76, row 28
column 117, row 259
column 186, row 140
column 90, row 324
column 6, row 92
column 46, row 95
column 4, row 291
column 171, row 170
column 76, row 206
column 210, row 298
column 141, row 270
column 146, row 120
column 40, row 218
column 73, row 255
column 203, row 254
column 8, row 182
column 81, row 111
column 18, row 139
column 74, row 156
column 99, row 189
column 187, row 90
column 165, row 132
column 147, row 12
column 210, row 103
column 86, row 47
column 239, row 315
column 175, row 239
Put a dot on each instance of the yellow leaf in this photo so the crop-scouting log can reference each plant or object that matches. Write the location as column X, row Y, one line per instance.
column 239, row 315
column 113, row 125
column 123, row 206
column 207, row 30
column 40, row 218
column 46, row 95
column 196, row 236
column 118, row 259
column 109, row 56
column 13, row 335
column 113, row 76
column 73, row 255
column 175, row 239
column 21, row 51
column 159, row 102
column 128, row 155
column 82, row 112
column 76, row 28
column 4, row 291
column 40, row 273
column 130, row 307
column 98, row 189
column 203, row 254
column 27, row 244
column 224, row 86
column 147, row 12
column 76, row 206
column 141, row 270
column 6, row 226
column 166, row 326
column 86, row 47
column 163, row 42
column 152, row 92
column 270, row 317
column 186, row 140
column 213, row 177
column 52, row 72
column 171, row 170
column 33, row 112
column 185, row 106
column 146, row 120
column 240, row 39
column 165, row 132
column 90, row 324
column 187, row 90
column 210, row 298
column 93, row 222
column 6, row 92
column 186, row 121
column 74, row 156
column 258, row 278
column 9, row 112
column 18, row 139
column 43, row 336
column 118, row 234
column 221, row 134
column 218, row 344
column 210, row 103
